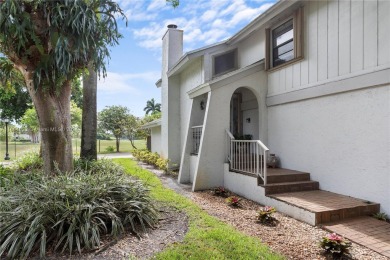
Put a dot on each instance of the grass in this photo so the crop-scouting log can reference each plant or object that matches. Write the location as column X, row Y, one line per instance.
column 207, row 238
column 18, row 149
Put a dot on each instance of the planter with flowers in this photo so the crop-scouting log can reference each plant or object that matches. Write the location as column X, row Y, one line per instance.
column 336, row 245
column 233, row 201
column 264, row 215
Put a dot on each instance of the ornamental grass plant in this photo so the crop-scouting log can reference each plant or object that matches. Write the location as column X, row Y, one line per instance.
column 72, row 211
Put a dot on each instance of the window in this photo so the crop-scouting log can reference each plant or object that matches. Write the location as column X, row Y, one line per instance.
column 284, row 41
column 225, row 62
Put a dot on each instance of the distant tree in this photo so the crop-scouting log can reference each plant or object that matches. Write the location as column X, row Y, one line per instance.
column 14, row 98
column 131, row 128
column 31, row 123
column 152, row 107
column 114, row 119
column 144, row 133
column 50, row 42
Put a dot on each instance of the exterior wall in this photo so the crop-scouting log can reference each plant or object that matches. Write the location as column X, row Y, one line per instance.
column 212, row 152
column 251, row 49
column 189, row 79
column 156, row 139
column 340, row 38
column 343, row 140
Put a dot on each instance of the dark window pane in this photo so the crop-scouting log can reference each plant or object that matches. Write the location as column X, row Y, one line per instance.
column 224, row 62
column 283, row 43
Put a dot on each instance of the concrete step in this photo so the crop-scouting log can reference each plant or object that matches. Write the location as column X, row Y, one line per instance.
column 326, row 207
column 283, row 175
column 283, row 187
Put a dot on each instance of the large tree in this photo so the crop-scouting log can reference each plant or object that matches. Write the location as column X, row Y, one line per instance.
column 89, row 124
column 49, row 42
column 114, row 119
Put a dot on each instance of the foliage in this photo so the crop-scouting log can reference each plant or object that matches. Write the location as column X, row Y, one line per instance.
column 6, row 177
column 381, row 216
column 144, row 133
column 152, row 107
column 29, row 161
column 131, row 127
column 72, row 211
column 220, row 191
column 233, row 201
column 152, row 159
column 265, row 215
column 77, row 92
column 335, row 245
column 207, row 237
column 114, row 119
column 14, row 98
column 110, row 149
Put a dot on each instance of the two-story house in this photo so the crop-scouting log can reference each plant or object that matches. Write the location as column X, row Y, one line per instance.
column 308, row 81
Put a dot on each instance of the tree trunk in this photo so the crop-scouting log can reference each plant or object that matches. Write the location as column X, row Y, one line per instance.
column 53, row 110
column 117, row 144
column 89, row 118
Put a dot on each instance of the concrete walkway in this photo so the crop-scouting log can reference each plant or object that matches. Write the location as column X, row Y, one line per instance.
column 114, row 155
column 366, row 231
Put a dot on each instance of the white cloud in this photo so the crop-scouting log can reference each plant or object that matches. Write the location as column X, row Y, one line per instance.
column 125, row 83
column 203, row 22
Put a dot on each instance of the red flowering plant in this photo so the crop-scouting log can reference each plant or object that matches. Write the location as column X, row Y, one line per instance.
column 233, row 201
column 335, row 245
column 220, row 191
column 265, row 215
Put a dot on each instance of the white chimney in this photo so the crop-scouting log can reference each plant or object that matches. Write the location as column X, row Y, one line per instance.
column 172, row 47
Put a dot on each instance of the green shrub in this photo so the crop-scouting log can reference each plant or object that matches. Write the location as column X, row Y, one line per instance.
column 265, row 215
column 381, row 216
column 151, row 158
column 29, row 161
column 72, row 211
column 6, row 177
column 110, row 149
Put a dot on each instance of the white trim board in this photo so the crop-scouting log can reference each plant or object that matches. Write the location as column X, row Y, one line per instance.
column 373, row 79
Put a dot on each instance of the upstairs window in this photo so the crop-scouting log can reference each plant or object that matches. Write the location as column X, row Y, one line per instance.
column 224, row 63
column 283, row 43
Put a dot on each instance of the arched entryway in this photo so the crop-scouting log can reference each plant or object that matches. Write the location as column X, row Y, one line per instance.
column 244, row 115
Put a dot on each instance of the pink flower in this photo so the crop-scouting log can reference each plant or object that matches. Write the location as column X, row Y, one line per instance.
column 335, row 237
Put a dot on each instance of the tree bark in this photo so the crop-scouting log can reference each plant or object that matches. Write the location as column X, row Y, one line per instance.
column 117, row 144
column 89, row 117
column 53, row 110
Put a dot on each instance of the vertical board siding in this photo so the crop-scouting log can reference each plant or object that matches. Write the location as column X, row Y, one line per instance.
column 312, row 40
column 304, row 80
column 322, row 51
column 383, row 32
column 370, row 33
column 333, row 38
column 344, row 37
column 357, row 35
column 340, row 37
column 296, row 70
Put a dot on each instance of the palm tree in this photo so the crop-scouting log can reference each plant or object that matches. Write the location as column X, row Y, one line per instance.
column 153, row 107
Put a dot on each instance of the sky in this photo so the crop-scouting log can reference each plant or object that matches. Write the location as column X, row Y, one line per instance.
column 135, row 64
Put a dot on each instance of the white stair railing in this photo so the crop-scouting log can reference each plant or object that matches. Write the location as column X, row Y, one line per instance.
column 196, row 135
column 247, row 156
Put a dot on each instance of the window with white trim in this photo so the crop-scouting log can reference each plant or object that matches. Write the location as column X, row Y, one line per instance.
column 224, row 63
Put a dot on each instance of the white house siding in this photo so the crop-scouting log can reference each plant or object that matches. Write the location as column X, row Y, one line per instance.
column 343, row 140
column 251, row 49
column 210, row 171
column 341, row 38
column 190, row 78
column 156, row 139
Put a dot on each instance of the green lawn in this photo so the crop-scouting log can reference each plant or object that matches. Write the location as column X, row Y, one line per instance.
column 207, row 238
column 17, row 149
